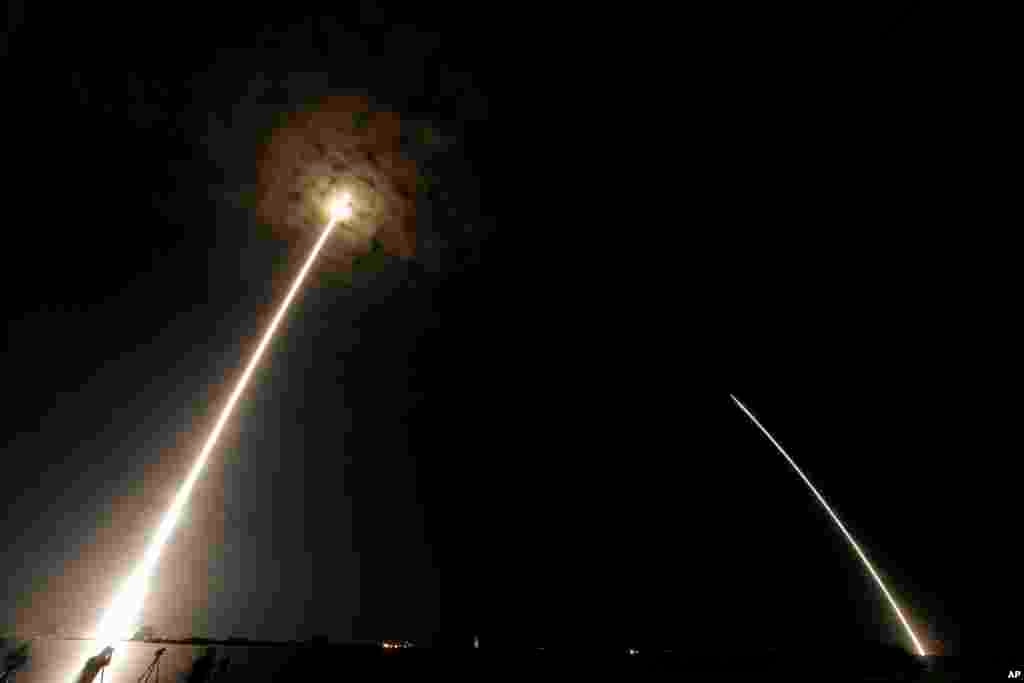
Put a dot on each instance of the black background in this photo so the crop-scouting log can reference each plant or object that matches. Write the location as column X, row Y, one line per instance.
column 535, row 436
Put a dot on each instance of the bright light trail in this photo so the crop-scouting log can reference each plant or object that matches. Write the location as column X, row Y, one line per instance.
column 118, row 622
column 860, row 553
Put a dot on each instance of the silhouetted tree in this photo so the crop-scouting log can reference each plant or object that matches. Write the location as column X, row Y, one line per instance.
column 14, row 660
column 202, row 668
column 223, row 666
column 95, row 665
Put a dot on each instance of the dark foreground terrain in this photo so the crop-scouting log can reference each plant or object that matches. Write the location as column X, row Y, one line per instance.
column 54, row 660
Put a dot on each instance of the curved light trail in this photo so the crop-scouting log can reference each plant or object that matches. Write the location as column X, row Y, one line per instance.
column 849, row 537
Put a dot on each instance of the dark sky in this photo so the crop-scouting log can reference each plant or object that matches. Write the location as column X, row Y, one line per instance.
column 529, row 428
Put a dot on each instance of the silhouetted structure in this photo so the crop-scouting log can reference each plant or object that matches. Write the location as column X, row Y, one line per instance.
column 202, row 669
column 152, row 672
column 96, row 665
column 14, row 661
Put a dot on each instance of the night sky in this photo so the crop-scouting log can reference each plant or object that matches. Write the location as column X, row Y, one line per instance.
column 527, row 429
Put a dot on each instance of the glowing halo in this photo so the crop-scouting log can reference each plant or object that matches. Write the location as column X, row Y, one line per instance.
column 339, row 145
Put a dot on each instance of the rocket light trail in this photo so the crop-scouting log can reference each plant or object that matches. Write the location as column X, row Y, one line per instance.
column 849, row 537
column 119, row 620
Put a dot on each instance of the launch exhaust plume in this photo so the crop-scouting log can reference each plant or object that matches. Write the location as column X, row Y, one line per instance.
column 120, row 618
column 849, row 537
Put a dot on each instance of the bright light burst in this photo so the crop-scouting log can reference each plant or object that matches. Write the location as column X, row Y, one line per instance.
column 119, row 621
column 341, row 207
column 849, row 537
